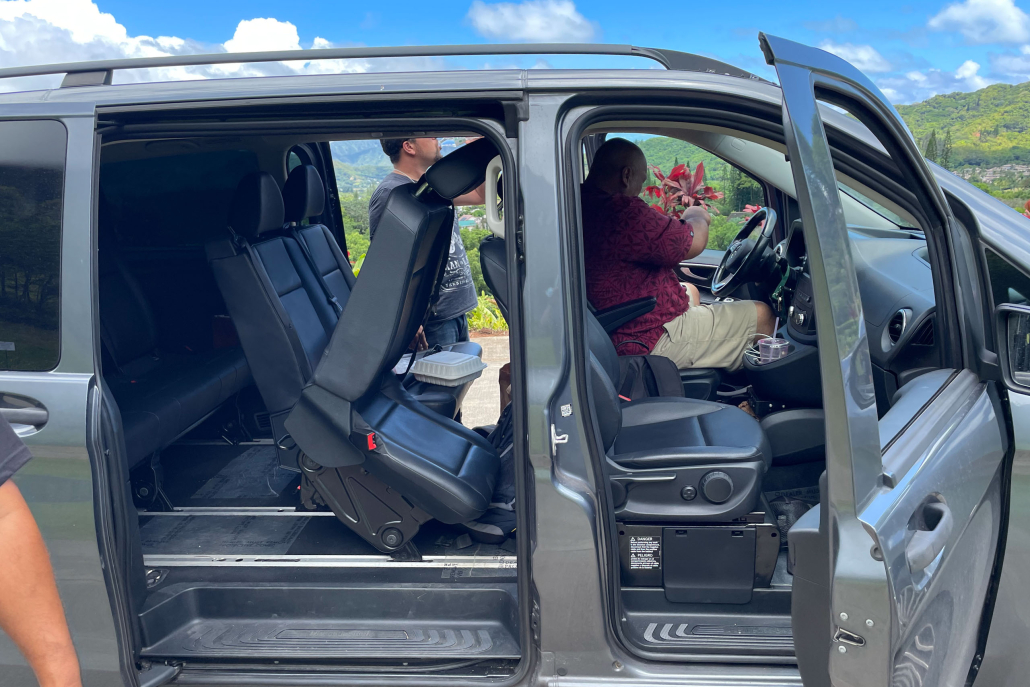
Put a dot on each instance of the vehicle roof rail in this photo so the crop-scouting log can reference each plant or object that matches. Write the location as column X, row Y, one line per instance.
column 100, row 72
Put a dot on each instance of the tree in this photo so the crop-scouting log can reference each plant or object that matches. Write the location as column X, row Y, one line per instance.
column 930, row 151
column 945, row 157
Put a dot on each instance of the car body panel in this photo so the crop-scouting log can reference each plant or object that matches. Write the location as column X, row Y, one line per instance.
column 58, row 482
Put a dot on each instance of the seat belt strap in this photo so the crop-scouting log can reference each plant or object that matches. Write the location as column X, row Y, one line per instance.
column 326, row 291
column 277, row 305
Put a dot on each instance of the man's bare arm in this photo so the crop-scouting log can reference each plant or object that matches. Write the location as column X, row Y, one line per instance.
column 476, row 197
column 30, row 608
column 699, row 219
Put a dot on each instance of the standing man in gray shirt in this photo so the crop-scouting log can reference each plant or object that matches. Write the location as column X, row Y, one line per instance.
column 456, row 294
column 30, row 609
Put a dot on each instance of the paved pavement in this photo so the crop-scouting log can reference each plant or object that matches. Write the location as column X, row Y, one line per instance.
column 482, row 404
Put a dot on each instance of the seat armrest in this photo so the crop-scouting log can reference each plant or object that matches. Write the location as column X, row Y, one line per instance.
column 614, row 317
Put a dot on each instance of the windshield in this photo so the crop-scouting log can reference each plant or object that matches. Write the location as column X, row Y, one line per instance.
column 890, row 216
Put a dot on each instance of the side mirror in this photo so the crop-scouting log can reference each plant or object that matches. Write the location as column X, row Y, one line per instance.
column 1014, row 343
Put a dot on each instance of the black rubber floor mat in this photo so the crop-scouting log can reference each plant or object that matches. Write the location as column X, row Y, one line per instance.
column 220, row 534
column 255, row 473
column 191, row 470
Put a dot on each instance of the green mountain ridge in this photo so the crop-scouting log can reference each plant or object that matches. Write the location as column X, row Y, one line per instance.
column 989, row 127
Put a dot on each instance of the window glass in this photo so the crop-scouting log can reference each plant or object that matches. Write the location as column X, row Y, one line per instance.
column 31, row 192
column 360, row 166
column 293, row 161
column 889, row 215
column 171, row 200
column 1008, row 284
column 734, row 195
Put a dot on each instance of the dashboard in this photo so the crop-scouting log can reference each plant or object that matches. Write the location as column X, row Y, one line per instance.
column 896, row 286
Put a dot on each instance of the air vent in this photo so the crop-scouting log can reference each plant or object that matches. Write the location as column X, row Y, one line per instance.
column 263, row 421
column 924, row 337
column 896, row 326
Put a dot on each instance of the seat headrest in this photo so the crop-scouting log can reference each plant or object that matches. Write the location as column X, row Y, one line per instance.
column 463, row 170
column 257, row 206
column 303, row 194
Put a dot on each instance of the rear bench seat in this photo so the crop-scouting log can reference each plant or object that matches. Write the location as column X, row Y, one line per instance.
column 161, row 395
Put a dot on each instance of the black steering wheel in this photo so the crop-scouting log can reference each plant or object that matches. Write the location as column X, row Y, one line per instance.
column 743, row 253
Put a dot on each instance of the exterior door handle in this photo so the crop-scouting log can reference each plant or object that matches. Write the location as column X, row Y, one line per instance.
column 19, row 410
column 933, row 533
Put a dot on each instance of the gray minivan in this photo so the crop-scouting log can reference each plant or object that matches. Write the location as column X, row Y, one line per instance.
column 240, row 480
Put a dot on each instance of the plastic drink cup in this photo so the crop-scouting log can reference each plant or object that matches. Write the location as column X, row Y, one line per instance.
column 770, row 349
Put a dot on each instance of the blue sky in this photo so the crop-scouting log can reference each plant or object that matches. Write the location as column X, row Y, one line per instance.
column 911, row 50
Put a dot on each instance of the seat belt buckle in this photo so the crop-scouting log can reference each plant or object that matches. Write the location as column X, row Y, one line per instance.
column 371, row 439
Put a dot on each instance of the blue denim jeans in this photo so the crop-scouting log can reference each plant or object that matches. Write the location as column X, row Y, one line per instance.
column 447, row 331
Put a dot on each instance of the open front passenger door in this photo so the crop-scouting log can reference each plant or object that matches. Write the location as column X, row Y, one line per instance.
column 911, row 509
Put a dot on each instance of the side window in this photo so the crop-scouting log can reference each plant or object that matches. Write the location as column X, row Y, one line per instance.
column 32, row 157
column 1009, row 286
column 732, row 198
column 292, row 161
column 359, row 165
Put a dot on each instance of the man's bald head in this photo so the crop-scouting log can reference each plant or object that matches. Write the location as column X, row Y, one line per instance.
column 619, row 167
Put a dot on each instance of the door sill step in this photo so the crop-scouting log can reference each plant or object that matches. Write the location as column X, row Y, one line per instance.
column 303, row 639
column 349, row 561
column 331, row 623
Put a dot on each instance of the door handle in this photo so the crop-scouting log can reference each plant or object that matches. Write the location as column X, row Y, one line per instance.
column 927, row 544
column 21, row 410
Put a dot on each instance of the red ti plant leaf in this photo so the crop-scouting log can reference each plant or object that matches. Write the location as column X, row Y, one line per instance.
column 1026, row 209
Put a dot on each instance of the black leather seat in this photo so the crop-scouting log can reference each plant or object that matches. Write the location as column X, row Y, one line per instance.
column 269, row 276
column 303, row 199
column 380, row 459
column 658, row 447
column 161, row 395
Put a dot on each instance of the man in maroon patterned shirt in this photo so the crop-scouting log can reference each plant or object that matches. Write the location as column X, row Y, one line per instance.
column 631, row 251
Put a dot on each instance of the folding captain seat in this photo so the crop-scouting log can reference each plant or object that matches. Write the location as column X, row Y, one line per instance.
column 380, row 459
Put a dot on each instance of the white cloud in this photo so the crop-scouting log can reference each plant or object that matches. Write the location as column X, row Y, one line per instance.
column 253, row 35
column 50, row 31
column 984, row 21
column 916, row 86
column 1012, row 66
column 864, row 57
column 533, row 21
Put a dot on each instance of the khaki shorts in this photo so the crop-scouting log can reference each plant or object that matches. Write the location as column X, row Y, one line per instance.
column 712, row 335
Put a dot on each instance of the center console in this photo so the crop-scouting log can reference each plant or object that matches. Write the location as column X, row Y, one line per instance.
column 792, row 381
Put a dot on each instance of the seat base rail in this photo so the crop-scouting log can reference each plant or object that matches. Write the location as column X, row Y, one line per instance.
column 370, row 508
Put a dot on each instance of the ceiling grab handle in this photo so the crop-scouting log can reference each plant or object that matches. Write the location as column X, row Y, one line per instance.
column 494, row 221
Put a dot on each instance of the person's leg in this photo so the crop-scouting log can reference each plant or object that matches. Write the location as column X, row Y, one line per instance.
column 695, row 295
column 713, row 335
column 463, row 327
column 445, row 332
column 766, row 319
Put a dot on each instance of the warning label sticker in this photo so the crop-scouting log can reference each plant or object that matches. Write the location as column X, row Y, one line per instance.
column 645, row 553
